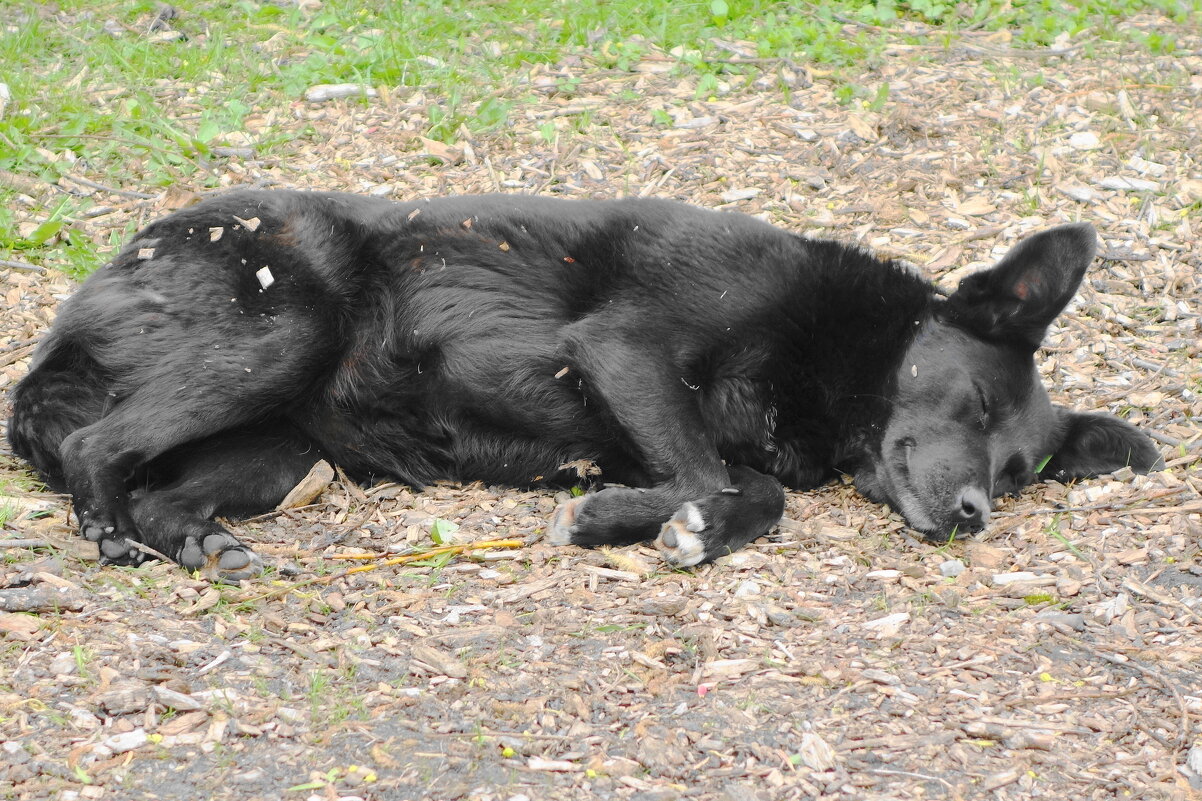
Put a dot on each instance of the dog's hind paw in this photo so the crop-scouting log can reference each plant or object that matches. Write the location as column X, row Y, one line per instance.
column 220, row 557
column 563, row 523
column 95, row 532
column 678, row 540
column 120, row 551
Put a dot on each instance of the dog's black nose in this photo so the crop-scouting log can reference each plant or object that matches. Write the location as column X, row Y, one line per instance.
column 972, row 511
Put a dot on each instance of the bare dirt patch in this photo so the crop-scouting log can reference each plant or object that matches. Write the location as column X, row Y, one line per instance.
column 1058, row 655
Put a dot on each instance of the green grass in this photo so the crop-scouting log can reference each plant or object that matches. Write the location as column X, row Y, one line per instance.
column 330, row 702
column 8, row 511
column 1053, row 529
column 83, row 661
column 143, row 114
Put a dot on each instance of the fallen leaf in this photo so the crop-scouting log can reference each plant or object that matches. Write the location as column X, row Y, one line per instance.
column 975, row 207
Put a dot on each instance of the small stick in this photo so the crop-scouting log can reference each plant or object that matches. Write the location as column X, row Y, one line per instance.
column 1165, row 439
column 1157, row 368
column 15, row 355
column 110, row 189
column 21, row 343
column 146, row 549
column 385, row 562
column 413, row 557
column 20, row 265
column 1185, row 508
column 24, row 543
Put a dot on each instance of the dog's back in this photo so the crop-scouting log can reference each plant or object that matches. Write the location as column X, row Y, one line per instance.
column 163, row 292
column 447, row 315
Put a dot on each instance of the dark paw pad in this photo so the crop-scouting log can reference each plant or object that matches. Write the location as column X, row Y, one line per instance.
column 120, row 551
column 219, row 556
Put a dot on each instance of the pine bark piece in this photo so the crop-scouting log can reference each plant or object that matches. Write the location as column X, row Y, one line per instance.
column 312, row 485
column 39, row 599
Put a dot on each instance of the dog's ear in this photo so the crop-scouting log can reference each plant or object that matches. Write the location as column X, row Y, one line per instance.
column 1094, row 444
column 1019, row 297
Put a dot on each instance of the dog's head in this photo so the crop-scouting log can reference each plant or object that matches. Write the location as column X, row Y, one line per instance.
column 969, row 419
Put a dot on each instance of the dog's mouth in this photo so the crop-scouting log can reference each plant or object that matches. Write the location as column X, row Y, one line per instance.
column 938, row 521
column 958, row 516
column 944, row 536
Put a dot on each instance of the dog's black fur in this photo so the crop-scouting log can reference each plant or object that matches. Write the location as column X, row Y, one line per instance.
column 698, row 358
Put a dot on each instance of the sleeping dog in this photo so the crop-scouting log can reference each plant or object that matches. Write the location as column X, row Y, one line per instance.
column 696, row 360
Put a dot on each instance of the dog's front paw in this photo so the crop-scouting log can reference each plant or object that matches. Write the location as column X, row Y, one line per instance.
column 563, row 524
column 613, row 516
column 679, row 540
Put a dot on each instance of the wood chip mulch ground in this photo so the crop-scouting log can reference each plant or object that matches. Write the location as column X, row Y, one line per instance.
column 1058, row 655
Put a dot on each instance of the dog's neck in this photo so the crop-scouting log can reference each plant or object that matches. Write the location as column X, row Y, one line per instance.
column 844, row 351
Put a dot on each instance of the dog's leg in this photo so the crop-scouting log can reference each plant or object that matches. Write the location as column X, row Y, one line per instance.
column 235, row 473
column 170, row 407
column 722, row 522
column 99, row 459
column 658, row 414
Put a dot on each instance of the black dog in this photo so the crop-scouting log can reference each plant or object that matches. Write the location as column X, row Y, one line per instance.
column 698, row 358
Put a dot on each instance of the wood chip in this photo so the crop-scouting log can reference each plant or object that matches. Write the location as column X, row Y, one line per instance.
column 556, row 765
column 439, row 662
column 728, row 668
column 1023, row 577
column 186, row 722
column 441, row 150
column 318, row 479
column 125, row 699
column 208, row 599
column 816, row 753
column 40, row 599
column 888, row 625
column 975, row 207
column 609, row 573
column 1000, row 779
column 324, row 92
column 20, row 627
column 1124, row 184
